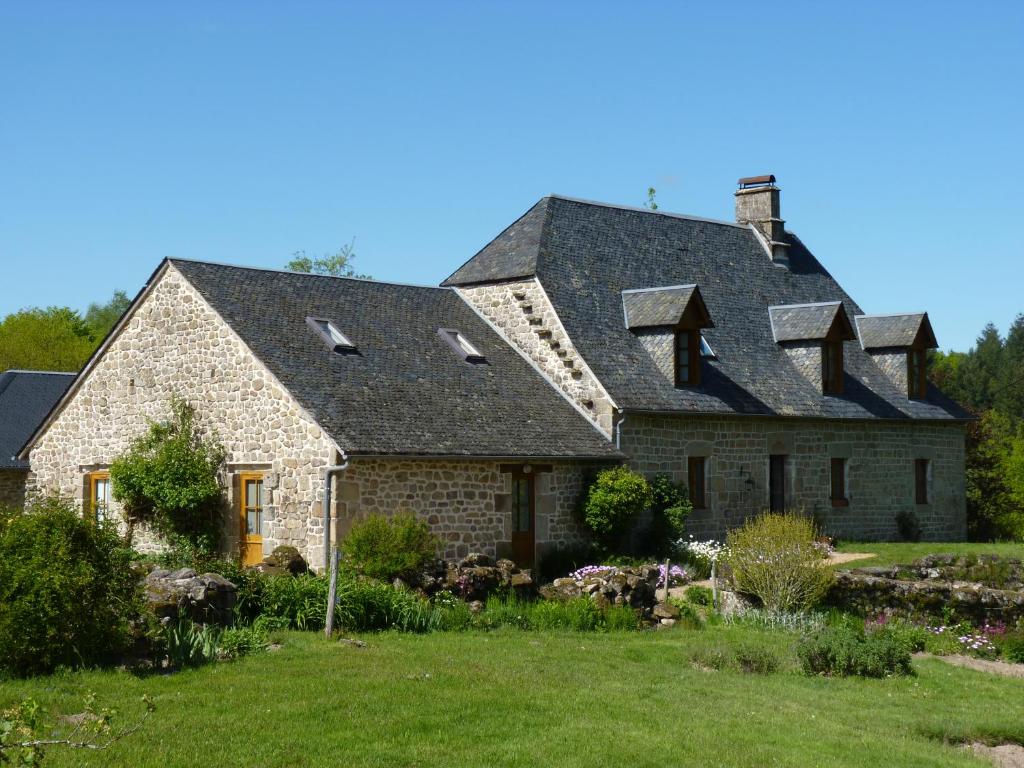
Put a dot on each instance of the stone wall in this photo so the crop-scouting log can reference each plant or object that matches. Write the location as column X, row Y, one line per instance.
column 466, row 502
column 175, row 344
column 12, row 487
column 879, row 469
column 525, row 315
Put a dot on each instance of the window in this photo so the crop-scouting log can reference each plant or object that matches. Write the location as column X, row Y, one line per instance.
column 462, row 346
column 99, row 496
column 695, row 481
column 688, row 348
column 839, row 483
column 921, row 472
column 832, row 368
column 777, row 467
column 706, row 350
column 917, row 377
column 331, row 336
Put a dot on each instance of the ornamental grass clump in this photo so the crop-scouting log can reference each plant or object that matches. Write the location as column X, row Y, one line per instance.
column 774, row 559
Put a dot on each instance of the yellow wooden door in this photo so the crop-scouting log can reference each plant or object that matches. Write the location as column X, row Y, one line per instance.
column 252, row 498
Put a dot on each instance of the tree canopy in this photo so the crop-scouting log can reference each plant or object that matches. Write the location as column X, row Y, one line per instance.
column 56, row 338
column 337, row 264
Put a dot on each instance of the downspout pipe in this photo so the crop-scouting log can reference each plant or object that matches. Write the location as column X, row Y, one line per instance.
column 618, row 429
column 329, row 473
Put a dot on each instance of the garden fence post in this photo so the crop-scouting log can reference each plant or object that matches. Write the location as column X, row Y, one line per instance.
column 332, row 593
column 667, row 574
column 714, row 583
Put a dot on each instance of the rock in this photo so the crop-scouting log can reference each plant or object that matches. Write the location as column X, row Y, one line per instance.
column 283, row 560
column 506, row 565
column 475, row 560
column 665, row 611
column 476, row 606
column 209, row 598
column 520, row 580
column 667, row 623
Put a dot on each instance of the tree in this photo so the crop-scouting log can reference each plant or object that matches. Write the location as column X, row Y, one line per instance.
column 982, row 368
column 101, row 318
column 652, row 203
column 338, row 264
column 1009, row 380
column 53, row 339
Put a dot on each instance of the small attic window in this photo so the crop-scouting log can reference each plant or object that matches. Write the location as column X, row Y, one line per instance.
column 331, row 336
column 462, row 346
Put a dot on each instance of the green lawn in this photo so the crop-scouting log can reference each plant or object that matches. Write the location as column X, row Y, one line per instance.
column 511, row 698
column 903, row 553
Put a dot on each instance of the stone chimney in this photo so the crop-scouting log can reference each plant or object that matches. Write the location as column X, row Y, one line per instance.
column 757, row 203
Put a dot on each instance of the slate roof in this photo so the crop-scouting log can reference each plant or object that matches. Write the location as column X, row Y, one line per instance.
column 809, row 322
column 26, row 398
column 893, row 331
column 406, row 392
column 585, row 254
column 652, row 307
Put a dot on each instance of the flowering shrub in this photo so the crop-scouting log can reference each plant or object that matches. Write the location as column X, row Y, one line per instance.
column 773, row 558
column 701, row 554
column 676, row 575
column 974, row 642
column 593, row 570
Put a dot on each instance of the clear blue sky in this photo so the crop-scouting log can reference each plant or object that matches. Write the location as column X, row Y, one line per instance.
column 242, row 132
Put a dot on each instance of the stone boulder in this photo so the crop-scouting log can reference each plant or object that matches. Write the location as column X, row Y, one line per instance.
column 635, row 587
column 206, row 599
column 284, row 560
column 474, row 577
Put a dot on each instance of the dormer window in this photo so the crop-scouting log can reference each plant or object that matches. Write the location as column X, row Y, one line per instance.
column 804, row 329
column 832, row 368
column 893, row 339
column 462, row 346
column 917, row 374
column 688, row 357
column 331, row 336
column 671, row 315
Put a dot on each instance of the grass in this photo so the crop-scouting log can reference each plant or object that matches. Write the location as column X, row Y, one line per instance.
column 513, row 698
column 903, row 553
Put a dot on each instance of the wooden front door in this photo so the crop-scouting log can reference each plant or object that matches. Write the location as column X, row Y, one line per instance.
column 251, row 500
column 777, row 483
column 524, row 516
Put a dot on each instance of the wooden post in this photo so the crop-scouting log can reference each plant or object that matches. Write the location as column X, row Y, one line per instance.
column 668, row 577
column 332, row 593
column 714, row 584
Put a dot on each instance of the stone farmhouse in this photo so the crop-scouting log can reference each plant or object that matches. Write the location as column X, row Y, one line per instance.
column 585, row 334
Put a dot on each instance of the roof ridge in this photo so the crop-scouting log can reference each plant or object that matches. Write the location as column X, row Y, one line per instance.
column 806, row 304
column 173, row 259
column 639, row 209
column 892, row 314
column 659, row 288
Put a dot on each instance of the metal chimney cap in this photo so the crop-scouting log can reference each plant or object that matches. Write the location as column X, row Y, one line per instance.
column 757, row 181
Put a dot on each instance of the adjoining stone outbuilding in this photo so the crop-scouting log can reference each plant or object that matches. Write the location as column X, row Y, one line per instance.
column 431, row 410
column 25, row 399
column 585, row 334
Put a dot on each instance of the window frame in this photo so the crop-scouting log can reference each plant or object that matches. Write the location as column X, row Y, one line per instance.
column 92, row 480
column 917, row 374
column 922, row 481
column 838, row 482
column 344, row 347
column 697, row 467
column 462, row 346
column 693, row 357
column 832, row 367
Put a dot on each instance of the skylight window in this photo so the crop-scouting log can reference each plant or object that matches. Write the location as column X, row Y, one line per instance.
column 706, row 350
column 462, row 346
column 331, row 336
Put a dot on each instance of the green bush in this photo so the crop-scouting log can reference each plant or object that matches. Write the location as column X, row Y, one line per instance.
column 299, row 600
column 908, row 526
column 239, row 641
column 387, row 548
column 68, row 595
column 713, row 658
column 843, row 650
column 1011, row 646
column 757, row 659
column 689, row 616
column 773, row 558
column 670, row 506
column 169, row 478
column 616, row 498
column 366, row 606
column 700, row 595
column 914, row 637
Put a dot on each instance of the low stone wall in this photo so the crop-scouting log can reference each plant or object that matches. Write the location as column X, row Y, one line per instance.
column 871, row 591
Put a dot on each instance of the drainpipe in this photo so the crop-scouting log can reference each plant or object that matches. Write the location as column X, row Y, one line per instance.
column 330, row 553
column 329, row 473
column 618, row 429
